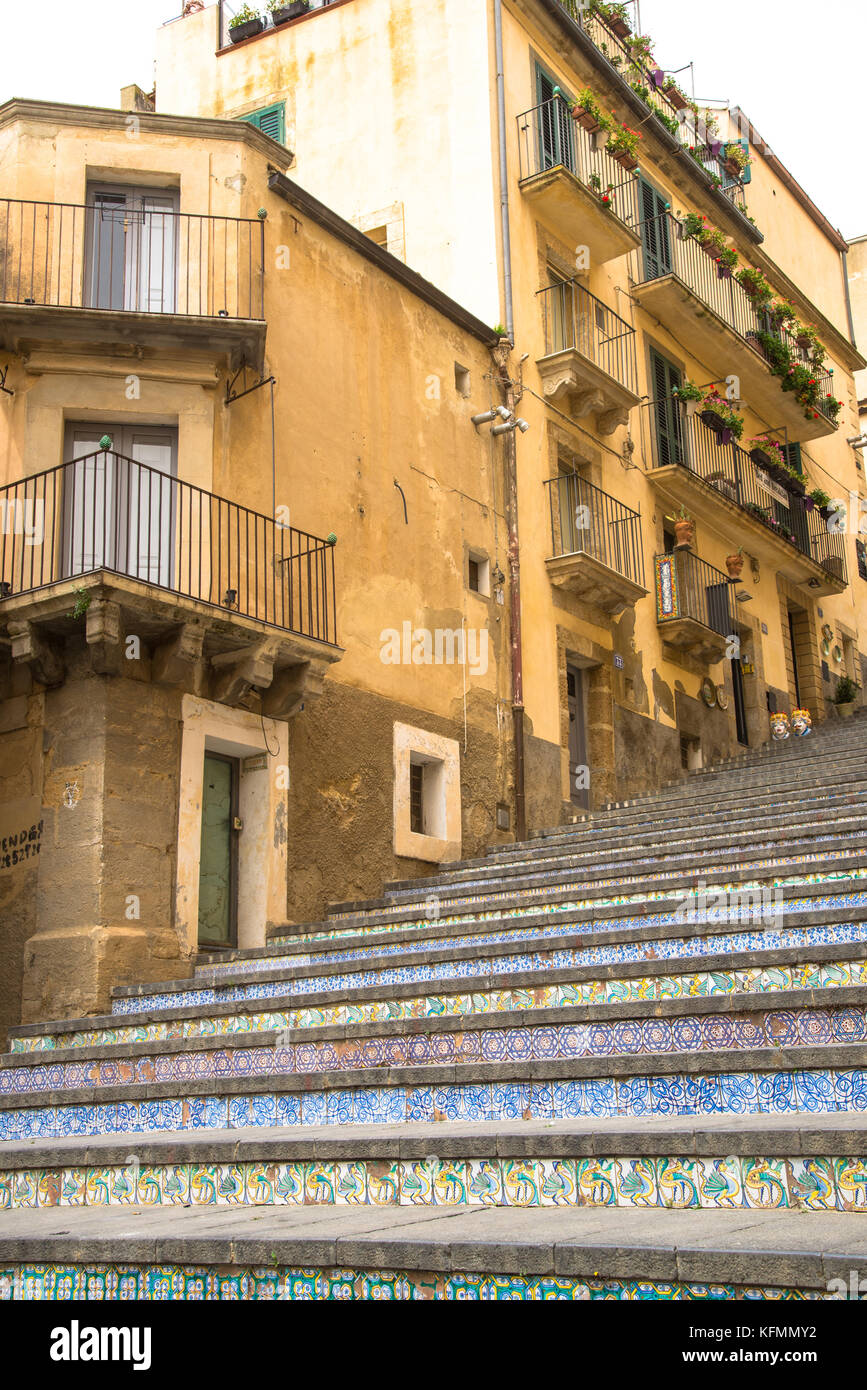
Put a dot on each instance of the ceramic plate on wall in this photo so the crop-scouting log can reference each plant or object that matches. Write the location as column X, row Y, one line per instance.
column 722, row 697
column 708, row 692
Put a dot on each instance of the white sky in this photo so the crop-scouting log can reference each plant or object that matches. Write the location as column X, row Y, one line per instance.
column 796, row 69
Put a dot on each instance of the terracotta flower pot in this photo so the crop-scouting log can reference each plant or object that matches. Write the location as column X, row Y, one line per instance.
column 677, row 99
column 586, row 119
column 626, row 161
column 732, row 168
column 845, row 710
column 620, row 28
column 735, row 565
column 684, row 532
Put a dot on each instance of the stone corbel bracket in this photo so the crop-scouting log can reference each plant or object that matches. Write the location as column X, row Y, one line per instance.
column 36, row 650
column 294, row 687
column 174, row 662
column 104, row 634
column 234, row 674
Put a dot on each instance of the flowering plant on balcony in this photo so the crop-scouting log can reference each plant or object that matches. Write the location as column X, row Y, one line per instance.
column 615, row 15
column 604, row 194
column 246, row 15
column 587, row 111
column 727, row 421
column 808, row 340
column 623, row 146
column 688, row 391
column 771, row 448
column 641, row 50
column 756, row 286
column 711, row 240
column 782, row 314
column 735, row 157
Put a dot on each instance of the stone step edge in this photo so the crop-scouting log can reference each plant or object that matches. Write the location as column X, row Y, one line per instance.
column 630, row 867
column 398, row 927
column 632, row 882
column 671, row 1137
column 417, row 952
column 480, row 1240
column 530, row 1072
column 511, row 979
column 554, row 1016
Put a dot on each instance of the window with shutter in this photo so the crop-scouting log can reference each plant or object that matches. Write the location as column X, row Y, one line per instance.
column 669, row 433
column 793, row 457
column 270, row 120
column 655, row 233
column 555, row 133
column 861, row 552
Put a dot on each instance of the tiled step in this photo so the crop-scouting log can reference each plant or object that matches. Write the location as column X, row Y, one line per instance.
column 777, row 973
column 848, row 854
column 539, row 944
column 604, row 1032
column 770, row 896
column 732, row 1163
column 587, row 844
column 364, row 1253
column 628, row 862
column 803, row 1080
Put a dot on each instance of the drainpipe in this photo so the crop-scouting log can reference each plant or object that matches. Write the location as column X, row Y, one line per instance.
column 844, row 256
column 501, row 356
column 504, row 170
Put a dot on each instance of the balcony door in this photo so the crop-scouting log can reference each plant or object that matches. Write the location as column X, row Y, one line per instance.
column 655, row 233
column 132, row 249
column 578, row 769
column 556, row 130
column 119, row 506
column 665, row 378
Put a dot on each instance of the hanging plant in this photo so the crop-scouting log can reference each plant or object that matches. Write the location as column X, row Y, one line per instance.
column 588, row 113
column 768, row 453
column 623, row 146
column 756, row 286
column 676, row 95
column 718, row 415
column 245, row 24
column 615, row 16
column 735, row 159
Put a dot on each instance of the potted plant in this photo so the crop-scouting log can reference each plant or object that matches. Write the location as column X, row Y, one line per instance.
column 846, row 697
column 623, row 146
column 245, row 24
column 754, row 284
column 588, row 113
column 691, row 397
column 676, row 95
column 641, row 51
column 604, row 194
column 735, row 159
column 768, row 453
column 735, row 563
column 284, row 10
column 615, row 16
column 781, row 314
column 684, row 527
column 718, row 415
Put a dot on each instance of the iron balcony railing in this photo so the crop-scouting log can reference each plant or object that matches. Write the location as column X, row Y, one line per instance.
column 585, row 520
column 574, row 318
column 549, row 138
column 144, row 259
column 229, row 8
column 712, row 163
column 687, row 587
column 108, row 512
column 619, row 53
column 688, row 441
column 667, row 250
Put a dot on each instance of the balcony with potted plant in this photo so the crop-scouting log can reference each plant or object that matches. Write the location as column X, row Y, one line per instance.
column 693, row 607
column 688, row 277
column 699, row 464
column 245, row 24
column 572, row 179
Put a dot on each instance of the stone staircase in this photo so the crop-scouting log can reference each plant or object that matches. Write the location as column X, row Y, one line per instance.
column 624, row 1060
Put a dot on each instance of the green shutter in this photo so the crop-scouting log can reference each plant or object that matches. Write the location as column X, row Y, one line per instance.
column 669, row 437
column 270, row 120
column 555, row 133
column 655, row 233
column 793, row 457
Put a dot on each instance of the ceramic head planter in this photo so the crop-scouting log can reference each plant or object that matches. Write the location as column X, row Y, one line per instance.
column 802, row 723
column 779, row 727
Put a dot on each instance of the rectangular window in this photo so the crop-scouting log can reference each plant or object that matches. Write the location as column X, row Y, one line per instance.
column 793, row 457
column 479, row 575
column 132, row 237
column 271, row 120
column 861, row 552
column 416, row 798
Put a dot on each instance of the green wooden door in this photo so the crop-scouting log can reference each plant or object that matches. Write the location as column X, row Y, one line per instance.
column 669, row 426
column 217, row 872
